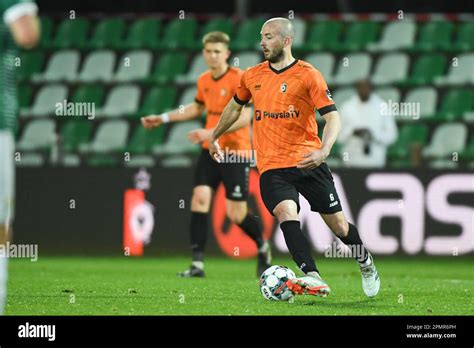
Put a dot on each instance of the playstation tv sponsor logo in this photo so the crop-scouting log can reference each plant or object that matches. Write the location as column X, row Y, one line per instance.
column 276, row 115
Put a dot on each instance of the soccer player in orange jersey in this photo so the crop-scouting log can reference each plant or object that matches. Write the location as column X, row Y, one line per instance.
column 214, row 90
column 290, row 155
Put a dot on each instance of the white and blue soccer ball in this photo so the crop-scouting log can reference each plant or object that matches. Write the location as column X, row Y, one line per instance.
column 273, row 283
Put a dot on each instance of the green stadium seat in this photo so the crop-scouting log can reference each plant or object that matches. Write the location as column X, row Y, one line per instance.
column 24, row 95
column 179, row 33
column 62, row 66
column 396, row 35
column 454, row 104
column 98, row 66
column 38, row 135
column 122, row 100
column 177, row 141
column 158, row 100
column 107, row 34
column 410, row 135
column 142, row 140
column 72, row 33
column 248, row 35
column 219, row 24
column 447, row 139
column 433, row 35
column 46, row 38
column 460, row 73
column 168, row 66
column 468, row 153
column 143, row 33
column 111, row 136
column 75, row 133
column 358, row 36
column 426, row 68
column 464, row 41
column 89, row 94
column 31, row 63
column 323, row 35
column 102, row 160
column 45, row 101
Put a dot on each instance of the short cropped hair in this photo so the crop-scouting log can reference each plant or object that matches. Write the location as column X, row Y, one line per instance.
column 215, row 37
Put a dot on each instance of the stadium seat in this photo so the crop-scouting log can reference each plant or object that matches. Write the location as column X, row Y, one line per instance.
column 410, row 135
column 324, row 62
column 179, row 33
column 248, row 35
column 142, row 140
column 38, row 135
column 446, row 140
column 323, row 35
column 341, row 95
column 107, row 33
column 110, row 136
column 122, row 100
column 134, row 65
column 468, row 153
column 98, row 66
column 74, row 133
column 426, row 98
column 388, row 93
column 460, row 71
column 89, row 94
column 158, row 100
column 168, row 66
column 433, row 35
column 390, row 68
column 45, row 100
column 198, row 66
column 217, row 24
column 31, row 63
column 177, row 141
column 358, row 36
column 143, row 34
column 62, row 66
column 299, row 26
column 464, row 41
column 454, row 104
column 244, row 60
column 354, row 67
column 46, row 37
column 72, row 33
column 24, row 96
column 396, row 35
column 188, row 95
column 425, row 69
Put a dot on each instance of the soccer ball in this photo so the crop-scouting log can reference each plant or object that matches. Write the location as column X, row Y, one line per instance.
column 273, row 283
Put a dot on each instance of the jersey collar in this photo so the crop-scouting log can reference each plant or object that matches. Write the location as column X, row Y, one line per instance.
column 284, row 69
column 222, row 75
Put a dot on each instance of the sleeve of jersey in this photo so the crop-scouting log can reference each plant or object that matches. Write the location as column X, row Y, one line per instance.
column 17, row 9
column 242, row 95
column 199, row 95
column 320, row 94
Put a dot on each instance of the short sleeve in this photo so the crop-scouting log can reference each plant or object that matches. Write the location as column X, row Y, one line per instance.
column 199, row 93
column 319, row 92
column 242, row 95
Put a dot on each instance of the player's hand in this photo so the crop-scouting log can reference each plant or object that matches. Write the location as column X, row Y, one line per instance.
column 215, row 151
column 152, row 121
column 198, row 136
column 313, row 159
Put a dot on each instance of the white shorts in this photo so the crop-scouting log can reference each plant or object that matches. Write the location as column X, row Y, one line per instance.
column 7, row 177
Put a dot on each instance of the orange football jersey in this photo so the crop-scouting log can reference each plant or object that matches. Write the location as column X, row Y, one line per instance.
column 284, row 125
column 215, row 93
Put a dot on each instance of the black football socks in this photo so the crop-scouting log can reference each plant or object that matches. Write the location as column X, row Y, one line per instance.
column 199, row 229
column 252, row 228
column 353, row 241
column 298, row 245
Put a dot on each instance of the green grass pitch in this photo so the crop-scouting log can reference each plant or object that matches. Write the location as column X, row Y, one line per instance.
column 149, row 286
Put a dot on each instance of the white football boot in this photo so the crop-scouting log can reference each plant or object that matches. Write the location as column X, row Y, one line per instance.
column 370, row 278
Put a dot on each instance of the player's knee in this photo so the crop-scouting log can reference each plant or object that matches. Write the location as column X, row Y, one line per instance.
column 340, row 228
column 200, row 202
column 236, row 215
column 286, row 211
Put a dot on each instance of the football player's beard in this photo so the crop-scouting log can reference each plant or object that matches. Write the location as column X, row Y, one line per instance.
column 276, row 56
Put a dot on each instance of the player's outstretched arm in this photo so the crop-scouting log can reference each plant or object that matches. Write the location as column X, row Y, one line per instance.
column 229, row 116
column 244, row 120
column 331, row 130
column 184, row 113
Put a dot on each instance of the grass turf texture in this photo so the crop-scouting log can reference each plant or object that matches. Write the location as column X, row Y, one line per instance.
column 149, row 286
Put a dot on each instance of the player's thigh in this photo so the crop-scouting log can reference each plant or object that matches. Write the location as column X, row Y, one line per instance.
column 275, row 188
column 206, row 172
column 236, row 210
column 7, row 177
column 317, row 186
column 235, row 177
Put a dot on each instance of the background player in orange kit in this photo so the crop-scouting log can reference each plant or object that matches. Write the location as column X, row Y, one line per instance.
column 214, row 90
column 290, row 155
